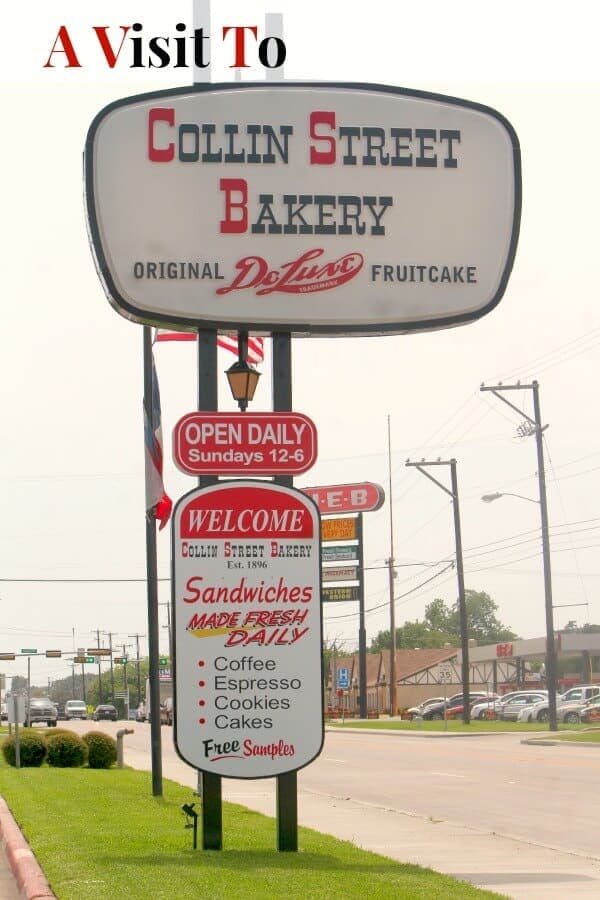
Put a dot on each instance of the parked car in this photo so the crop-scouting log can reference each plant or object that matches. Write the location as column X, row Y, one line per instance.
column 75, row 709
column 436, row 710
column 491, row 705
column 105, row 711
column 578, row 695
column 41, row 709
column 510, row 711
column 591, row 711
column 416, row 711
column 456, row 711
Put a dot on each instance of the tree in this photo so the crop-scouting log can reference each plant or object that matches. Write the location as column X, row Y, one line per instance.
column 441, row 625
column 482, row 623
column 410, row 635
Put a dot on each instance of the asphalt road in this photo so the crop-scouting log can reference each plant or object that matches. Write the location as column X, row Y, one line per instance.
column 547, row 795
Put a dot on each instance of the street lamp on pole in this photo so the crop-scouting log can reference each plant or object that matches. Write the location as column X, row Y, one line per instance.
column 536, row 428
column 489, row 498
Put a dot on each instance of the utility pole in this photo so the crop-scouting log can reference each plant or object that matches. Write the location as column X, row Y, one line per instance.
column 390, row 563
column 534, row 426
column 112, row 673
column 97, row 633
column 137, row 663
column 462, row 606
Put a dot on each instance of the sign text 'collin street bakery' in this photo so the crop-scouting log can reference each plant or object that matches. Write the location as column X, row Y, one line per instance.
column 304, row 208
column 246, row 593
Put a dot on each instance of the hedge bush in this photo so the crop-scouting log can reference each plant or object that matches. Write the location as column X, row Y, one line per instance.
column 51, row 732
column 32, row 748
column 102, row 750
column 66, row 751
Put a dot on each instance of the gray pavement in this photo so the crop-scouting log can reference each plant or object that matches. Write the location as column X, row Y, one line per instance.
column 8, row 883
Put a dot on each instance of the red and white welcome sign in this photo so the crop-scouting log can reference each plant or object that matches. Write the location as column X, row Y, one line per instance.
column 244, row 443
column 246, row 593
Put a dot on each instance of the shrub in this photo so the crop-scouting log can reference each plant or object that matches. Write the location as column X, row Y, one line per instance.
column 66, row 751
column 32, row 748
column 52, row 732
column 102, row 749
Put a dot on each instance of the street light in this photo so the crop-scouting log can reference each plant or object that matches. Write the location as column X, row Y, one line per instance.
column 242, row 377
column 550, row 644
column 489, row 498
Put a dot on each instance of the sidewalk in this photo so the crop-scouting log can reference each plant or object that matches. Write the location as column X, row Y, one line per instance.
column 20, row 875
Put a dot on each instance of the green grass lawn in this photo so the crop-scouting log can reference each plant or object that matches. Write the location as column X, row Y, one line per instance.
column 100, row 834
column 587, row 737
column 479, row 725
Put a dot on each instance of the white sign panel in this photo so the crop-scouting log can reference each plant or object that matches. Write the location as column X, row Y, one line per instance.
column 247, row 629
column 445, row 673
column 306, row 208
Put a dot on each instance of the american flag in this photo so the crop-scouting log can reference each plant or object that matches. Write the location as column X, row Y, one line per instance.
column 158, row 503
column 256, row 351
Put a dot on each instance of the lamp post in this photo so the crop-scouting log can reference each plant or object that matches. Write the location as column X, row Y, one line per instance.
column 551, row 667
column 534, row 426
column 489, row 498
column 241, row 376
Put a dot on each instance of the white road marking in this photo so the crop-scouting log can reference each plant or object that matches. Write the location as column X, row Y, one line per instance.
column 448, row 774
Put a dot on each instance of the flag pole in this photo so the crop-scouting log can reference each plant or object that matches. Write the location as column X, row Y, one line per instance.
column 152, row 583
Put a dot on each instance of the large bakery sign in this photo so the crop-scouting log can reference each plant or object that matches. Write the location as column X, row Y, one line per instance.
column 246, row 593
column 307, row 208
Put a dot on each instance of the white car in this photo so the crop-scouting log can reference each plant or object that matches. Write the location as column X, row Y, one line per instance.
column 75, row 709
column 480, row 710
column 568, row 705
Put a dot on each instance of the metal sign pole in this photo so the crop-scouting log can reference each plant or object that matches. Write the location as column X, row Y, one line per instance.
column 362, row 633
column 287, row 785
column 209, row 784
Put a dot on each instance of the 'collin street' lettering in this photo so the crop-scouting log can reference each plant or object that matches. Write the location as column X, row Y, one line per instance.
column 396, row 147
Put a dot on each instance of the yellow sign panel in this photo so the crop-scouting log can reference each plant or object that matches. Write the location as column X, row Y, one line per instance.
column 340, row 594
column 338, row 529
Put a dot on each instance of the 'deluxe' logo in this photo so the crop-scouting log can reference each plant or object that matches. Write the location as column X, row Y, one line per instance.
column 298, row 276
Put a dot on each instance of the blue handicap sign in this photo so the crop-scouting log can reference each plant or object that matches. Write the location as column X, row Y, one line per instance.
column 343, row 678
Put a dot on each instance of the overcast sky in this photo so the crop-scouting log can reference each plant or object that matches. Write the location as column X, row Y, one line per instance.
column 72, row 541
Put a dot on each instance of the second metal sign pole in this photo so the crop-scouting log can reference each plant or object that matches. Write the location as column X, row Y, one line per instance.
column 287, row 784
column 209, row 785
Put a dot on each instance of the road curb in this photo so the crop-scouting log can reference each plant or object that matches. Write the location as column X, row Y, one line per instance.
column 25, row 867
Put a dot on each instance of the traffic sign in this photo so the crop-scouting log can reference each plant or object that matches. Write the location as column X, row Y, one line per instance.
column 444, row 673
column 28, row 652
column 99, row 651
column 221, row 443
column 53, row 654
column 7, row 655
column 343, row 678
